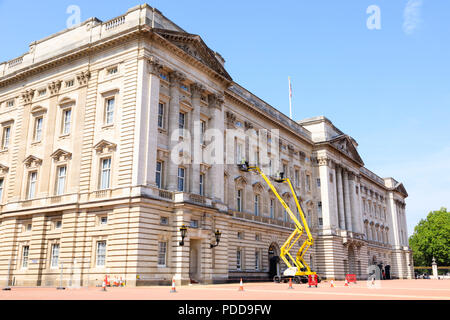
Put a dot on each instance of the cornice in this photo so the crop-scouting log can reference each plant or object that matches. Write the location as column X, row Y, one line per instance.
column 234, row 97
column 71, row 55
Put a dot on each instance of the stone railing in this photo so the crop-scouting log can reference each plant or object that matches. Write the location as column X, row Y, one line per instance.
column 15, row 62
column 166, row 194
column 267, row 220
column 114, row 23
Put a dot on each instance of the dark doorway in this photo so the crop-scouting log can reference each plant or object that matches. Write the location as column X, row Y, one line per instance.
column 273, row 266
column 387, row 271
column 274, row 260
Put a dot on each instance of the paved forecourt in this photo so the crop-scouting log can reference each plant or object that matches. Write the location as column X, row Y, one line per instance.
column 387, row 290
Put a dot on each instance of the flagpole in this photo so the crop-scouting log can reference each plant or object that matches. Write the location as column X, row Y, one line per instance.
column 290, row 98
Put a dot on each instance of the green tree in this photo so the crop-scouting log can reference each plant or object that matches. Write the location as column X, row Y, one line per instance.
column 431, row 238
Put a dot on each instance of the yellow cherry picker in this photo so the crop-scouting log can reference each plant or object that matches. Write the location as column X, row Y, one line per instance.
column 297, row 269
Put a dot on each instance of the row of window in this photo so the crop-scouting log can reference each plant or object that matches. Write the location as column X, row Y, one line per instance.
column 240, row 259
column 61, row 178
column 181, row 178
column 66, row 122
column 100, row 255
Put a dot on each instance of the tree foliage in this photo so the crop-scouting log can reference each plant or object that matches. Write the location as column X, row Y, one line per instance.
column 431, row 238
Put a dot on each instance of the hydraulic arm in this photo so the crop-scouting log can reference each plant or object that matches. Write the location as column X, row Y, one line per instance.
column 297, row 266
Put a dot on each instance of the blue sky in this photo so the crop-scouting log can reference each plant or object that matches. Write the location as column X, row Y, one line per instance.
column 388, row 88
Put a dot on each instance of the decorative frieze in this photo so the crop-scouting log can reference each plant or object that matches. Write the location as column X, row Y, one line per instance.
column 197, row 90
column 176, row 78
column 83, row 77
column 216, row 101
column 54, row 87
column 28, row 95
column 154, row 66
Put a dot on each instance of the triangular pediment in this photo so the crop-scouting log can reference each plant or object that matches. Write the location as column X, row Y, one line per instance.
column 345, row 145
column 61, row 155
column 257, row 186
column 194, row 46
column 32, row 162
column 240, row 181
column 3, row 169
column 105, row 146
column 401, row 189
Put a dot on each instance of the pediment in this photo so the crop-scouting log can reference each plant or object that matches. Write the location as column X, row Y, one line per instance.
column 105, row 146
column 32, row 162
column 61, row 155
column 401, row 189
column 4, row 169
column 240, row 180
column 345, row 145
column 194, row 46
column 287, row 195
column 258, row 187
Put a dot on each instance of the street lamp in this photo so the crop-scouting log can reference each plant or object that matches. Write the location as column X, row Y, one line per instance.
column 183, row 231
column 217, row 234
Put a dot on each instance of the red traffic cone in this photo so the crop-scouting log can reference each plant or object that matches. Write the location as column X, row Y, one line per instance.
column 346, row 283
column 241, row 286
column 290, row 284
column 332, row 284
column 173, row 290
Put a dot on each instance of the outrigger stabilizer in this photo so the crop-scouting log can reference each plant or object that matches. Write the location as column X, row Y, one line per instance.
column 297, row 268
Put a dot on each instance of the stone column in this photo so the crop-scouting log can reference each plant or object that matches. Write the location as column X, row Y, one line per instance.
column 196, row 154
column 152, row 134
column 354, row 204
column 174, row 113
column 348, row 210
column 340, row 196
column 217, row 170
column 329, row 212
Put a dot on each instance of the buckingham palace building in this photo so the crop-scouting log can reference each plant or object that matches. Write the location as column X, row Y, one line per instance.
column 116, row 134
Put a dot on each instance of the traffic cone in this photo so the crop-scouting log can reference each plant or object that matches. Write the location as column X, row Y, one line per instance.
column 332, row 284
column 346, row 283
column 241, row 286
column 290, row 284
column 174, row 290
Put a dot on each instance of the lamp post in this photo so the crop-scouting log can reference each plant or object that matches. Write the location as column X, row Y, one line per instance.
column 183, row 231
column 217, row 234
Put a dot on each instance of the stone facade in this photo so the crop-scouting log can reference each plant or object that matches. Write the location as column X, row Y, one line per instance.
column 87, row 182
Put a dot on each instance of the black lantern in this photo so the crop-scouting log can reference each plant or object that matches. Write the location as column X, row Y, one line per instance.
column 217, row 234
column 183, row 231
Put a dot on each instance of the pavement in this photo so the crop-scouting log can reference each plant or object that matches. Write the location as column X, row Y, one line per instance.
column 382, row 290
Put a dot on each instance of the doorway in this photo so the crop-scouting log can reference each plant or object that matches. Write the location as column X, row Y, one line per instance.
column 274, row 261
column 195, row 260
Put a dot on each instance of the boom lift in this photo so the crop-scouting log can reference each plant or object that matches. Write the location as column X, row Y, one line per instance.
column 297, row 268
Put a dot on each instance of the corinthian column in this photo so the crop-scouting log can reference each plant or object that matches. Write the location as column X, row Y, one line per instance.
column 348, row 210
column 329, row 210
column 340, row 196
column 150, row 121
column 196, row 93
column 353, row 203
column 217, row 123
column 175, row 78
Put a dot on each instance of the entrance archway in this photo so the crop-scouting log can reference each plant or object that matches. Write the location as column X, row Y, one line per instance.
column 274, row 260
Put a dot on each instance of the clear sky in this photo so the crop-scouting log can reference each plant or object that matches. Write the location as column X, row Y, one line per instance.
column 388, row 88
